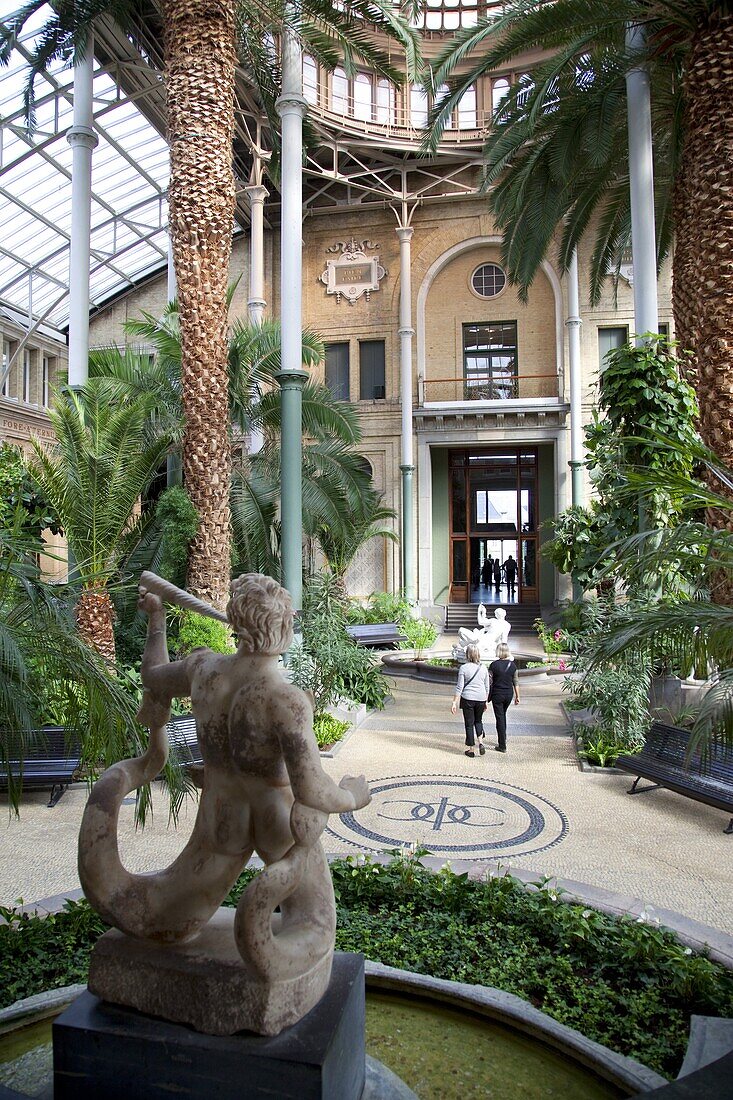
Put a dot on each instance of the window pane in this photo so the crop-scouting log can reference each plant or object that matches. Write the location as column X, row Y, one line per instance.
column 490, row 360
column 418, row 108
column 310, row 80
column 499, row 91
column 460, row 562
column 339, row 92
column 337, row 370
column 363, row 97
column 608, row 339
column 458, row 494
column 371, row 370
column 385, row 102
column 467, row 119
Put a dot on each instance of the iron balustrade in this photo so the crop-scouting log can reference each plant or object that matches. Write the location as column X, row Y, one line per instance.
column 497, row 387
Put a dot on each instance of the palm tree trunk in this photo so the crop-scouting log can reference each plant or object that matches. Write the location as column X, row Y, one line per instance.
column 200, row 61
column 94, row 614
column 703, row 275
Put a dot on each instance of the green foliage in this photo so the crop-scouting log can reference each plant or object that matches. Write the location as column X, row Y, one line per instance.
column 627, row 984
column 327, row 662
column 421, row 634
column 553, row 641
column 599, row 750
column 328, row 730
column 47, row 673
column 178, row 521
column 644, row 403
column 19, row 496
column 383, row 607
column 195, row 631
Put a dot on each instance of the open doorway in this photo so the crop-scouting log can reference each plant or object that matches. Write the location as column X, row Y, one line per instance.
column 495, row 574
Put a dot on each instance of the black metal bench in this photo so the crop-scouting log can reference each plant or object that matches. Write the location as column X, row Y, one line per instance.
column 51, row 758
column 705, row 778
column 377, row 635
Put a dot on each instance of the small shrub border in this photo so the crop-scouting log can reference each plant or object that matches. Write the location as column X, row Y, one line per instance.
column 625, row 983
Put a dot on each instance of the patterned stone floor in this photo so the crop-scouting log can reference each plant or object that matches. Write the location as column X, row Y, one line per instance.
column 531, row 808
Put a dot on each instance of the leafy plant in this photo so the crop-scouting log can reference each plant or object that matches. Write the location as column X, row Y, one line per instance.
column 598, row 750
column 421, row 633
column 178, row 521
column 195, row 631
column 553, row 641
column 328, row 730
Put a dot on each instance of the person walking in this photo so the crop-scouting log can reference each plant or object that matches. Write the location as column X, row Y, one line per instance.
column 497, row 574
column 510, row 575
column 504, row 684
column 472, row 691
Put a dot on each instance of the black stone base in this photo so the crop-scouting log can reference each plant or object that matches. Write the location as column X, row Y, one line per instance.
column 102, row 1051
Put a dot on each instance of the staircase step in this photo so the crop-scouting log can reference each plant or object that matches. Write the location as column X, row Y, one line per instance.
column 521, row 616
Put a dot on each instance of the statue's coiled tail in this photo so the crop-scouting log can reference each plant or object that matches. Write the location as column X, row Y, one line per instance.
column 279, row 949
column 167, row 906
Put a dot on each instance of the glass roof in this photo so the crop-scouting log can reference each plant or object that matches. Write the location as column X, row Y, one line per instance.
column 129, row 183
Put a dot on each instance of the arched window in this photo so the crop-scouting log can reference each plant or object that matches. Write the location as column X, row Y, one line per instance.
column 340, row 92
column 418, row 107
column 467, row 118
column 499, row 92
column 385, row 102
column 363, row 97
column 310, row 80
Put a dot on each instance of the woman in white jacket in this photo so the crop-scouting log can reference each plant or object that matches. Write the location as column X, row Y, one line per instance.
column 472, row 692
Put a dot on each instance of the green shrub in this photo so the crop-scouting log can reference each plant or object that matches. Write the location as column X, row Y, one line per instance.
column 179, row 523
column 328, row 730
column 196, row 630
column 421, row 633
column 628, row 984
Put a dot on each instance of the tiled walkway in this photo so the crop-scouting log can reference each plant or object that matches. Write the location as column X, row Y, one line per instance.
column 531, row 808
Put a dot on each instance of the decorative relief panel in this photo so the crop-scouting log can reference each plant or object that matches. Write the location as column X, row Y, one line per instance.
column 353, row 273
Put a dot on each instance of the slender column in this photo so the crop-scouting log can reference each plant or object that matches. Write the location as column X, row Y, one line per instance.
column 641, row 183
column 83, row 140
column 573, row 324
column 257, row 193
column 291, row 107
column 406, row 333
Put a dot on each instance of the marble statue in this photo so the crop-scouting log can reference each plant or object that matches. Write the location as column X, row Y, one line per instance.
column 175, row 954
column 490, row 634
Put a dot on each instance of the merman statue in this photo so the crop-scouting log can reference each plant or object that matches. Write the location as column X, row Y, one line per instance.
column 263, row 790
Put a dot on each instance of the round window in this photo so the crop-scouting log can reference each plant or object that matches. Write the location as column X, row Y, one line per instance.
column 488, row 280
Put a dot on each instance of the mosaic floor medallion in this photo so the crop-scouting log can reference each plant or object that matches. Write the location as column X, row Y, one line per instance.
column 452, row 815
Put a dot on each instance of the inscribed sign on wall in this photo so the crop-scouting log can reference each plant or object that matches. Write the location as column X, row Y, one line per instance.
column 354, row 273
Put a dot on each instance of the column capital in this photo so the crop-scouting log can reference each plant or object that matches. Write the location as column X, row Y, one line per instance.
column 575, row 321
column 405, row 331
column 256, row 193
column 404, row 232
column 82, row 136
column 407, row 469
column 291, row 103
column 292, row 379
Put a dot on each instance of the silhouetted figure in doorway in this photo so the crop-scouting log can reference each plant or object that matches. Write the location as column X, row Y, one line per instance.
column 497, row 575
column 486, row 573
column 510, row 575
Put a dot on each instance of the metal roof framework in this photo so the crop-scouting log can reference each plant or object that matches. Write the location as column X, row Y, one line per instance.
column 129, row 242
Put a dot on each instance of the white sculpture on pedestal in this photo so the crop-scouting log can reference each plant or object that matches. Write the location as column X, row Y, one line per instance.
column 491, row 633
column 172, row 952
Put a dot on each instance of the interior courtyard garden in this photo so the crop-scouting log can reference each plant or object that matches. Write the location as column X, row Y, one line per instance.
column 349, row 350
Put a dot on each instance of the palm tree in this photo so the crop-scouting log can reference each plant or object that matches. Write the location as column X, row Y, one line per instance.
column 201, row 40
column 557, row 157
column 370, row 520
column 105, row 456
column 47, row 673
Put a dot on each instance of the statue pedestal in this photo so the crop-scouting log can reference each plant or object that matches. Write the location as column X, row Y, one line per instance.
column 100, row 1049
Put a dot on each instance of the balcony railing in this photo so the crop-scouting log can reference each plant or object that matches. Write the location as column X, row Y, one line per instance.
column 499, row 387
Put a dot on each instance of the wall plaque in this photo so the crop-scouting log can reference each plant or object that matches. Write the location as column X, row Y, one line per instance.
column 353, row 273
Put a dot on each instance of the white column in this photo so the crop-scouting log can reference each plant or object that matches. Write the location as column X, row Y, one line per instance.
column 641, row 183
column 256, row 193
column 291, row 107
column 406, row 333
column 573, row 324
column 82, row 139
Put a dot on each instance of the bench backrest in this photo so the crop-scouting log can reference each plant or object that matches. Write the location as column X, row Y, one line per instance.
column 53, row 751
column 669, row 745
column 373, row 630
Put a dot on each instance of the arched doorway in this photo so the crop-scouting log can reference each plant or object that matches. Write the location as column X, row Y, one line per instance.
column 494, row 512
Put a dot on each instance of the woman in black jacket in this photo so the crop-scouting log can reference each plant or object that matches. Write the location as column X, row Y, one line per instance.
column 504, row 686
